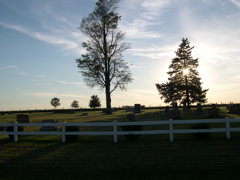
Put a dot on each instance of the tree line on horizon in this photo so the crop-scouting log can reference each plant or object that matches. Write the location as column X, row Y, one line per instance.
column 94, row 102
column 103, row 65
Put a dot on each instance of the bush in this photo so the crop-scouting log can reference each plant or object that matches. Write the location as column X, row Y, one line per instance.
column 132, row 128
column 11, row 129
column 201, row 126
column 70, row 138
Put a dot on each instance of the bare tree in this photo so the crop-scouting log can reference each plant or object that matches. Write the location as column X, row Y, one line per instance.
column 103, row 64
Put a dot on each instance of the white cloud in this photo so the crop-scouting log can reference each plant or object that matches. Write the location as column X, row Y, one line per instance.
column 42, row 76
column 65, row 43
column 53, row 94
column 73, row 83
column 236, row 2
column 21, row 73
column 9, row 67
column 155, row 5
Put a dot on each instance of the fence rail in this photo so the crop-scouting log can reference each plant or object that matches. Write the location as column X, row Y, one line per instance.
column 115, row 132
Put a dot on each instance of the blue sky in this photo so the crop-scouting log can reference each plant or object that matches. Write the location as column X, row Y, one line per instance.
column 39, row 42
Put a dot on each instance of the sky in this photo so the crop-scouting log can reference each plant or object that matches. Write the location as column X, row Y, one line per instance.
column 40, row 40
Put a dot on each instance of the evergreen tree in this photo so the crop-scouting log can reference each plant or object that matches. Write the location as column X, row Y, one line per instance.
column 94, row 102
column 184, row 83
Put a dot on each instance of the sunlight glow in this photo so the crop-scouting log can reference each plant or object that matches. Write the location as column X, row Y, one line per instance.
column 185, row 71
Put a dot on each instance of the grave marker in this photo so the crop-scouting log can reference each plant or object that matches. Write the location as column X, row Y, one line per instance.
column 137, row 108
column 199, row 109
column 48, row 128
column 234, row 109
column 23, row 118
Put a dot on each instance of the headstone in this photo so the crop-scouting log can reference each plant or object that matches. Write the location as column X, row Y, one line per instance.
column 199, row 109
column 49, row 128
column 174, row 114
column 213, row 112
column 114, row 109
column 130, row 117
column 71, row 111
column 84, row 114
column 234, row 109
column 184, row 106
column 23, row 118
column 137, row 108
column 166, row 111
column 129, row 109
column 175, row 106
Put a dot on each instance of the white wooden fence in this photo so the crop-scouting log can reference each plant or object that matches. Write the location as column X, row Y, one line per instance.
column 115, row 132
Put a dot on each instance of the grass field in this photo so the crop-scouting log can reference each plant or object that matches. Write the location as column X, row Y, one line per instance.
column 97, row 157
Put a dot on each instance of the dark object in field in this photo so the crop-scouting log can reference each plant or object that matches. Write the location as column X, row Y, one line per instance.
column 70, row 138
column 132, row 137
column 11, row 129
column 2, row 128
column 213, row 112
column 174, row 114
column 201, row 126
column 234, row 109
column 137, row 108
column 130, row 117
column 49, row 128
column 23, row 118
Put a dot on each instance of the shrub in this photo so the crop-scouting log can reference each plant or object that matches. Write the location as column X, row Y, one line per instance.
column 70, row 138
column 201, row 126
column 11, row 129
column 132, row 137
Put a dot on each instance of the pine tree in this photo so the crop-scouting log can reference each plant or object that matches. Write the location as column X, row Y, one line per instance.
column 184, row 83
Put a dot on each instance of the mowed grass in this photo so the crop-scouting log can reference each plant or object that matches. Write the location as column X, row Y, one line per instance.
column 97, row 157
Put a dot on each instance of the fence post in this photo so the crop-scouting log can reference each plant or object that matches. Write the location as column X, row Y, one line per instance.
column 115, row 131
column 227, row 128
column 171, row 130
column 64, row 131
column 15, row 129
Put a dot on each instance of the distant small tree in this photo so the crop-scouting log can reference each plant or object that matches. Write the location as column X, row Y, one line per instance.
column 94, row 102
column 75, row 104
column 55, row 102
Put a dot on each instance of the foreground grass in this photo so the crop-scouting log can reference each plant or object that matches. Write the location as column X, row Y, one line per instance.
column 144, row 159
column 91, row 157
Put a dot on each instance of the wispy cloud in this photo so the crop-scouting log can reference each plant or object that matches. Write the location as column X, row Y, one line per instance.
column 21, row 73
column 138, row 29
column 42, row 76
column 236, row 2
column 139, row 22
column 73, row 83
column 54, row 94
column 50, row 39
column 155, row 52
column 9, row 67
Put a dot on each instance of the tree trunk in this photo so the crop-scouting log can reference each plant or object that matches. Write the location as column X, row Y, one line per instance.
column 187, row 93
column 108, row 99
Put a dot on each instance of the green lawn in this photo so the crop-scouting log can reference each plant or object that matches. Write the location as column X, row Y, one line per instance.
column 97, row 157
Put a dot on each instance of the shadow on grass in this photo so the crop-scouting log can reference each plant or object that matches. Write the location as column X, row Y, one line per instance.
column 83, row 159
